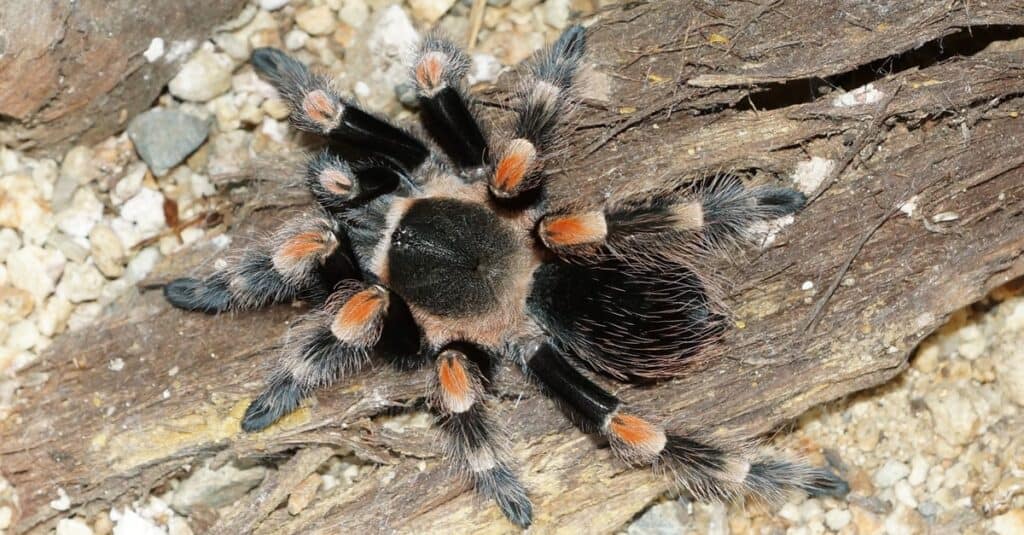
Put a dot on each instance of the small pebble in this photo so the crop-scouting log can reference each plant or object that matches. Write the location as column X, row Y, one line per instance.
column 73, row 526
column 272, row 5
column 837, row 519
column 295, row 39
column 890, row 472
column 6, row 515
column 430, row 11
column 354, row 13
column 164, row 137
column 81, row 283
column 107, row 251
column 316, row 21
column 556, row 13
column 204, row 76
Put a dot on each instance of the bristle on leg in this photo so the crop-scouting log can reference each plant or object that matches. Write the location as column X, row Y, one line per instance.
column 573, row 230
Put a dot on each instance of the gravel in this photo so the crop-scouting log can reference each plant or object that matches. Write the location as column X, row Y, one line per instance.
column 938, row 449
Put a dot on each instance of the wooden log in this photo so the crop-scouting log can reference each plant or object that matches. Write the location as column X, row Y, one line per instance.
column 921, row 214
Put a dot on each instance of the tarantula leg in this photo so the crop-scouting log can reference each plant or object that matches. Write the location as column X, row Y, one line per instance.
column 567, row 231
column 335, row 184
column 318, row 349
column 730, row 210
column 440, row 67
column 474, row 440
column 306, row 261
column 707, row 468
column 318, row 108
column 546, row 98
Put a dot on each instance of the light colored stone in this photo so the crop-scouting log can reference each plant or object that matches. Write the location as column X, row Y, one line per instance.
column 81, row 283
column 81, row 164
column 142, row 264
column 905, row 494
column 483, row 68
column 84, row 315
column 35, row 270
column 953, row 411
column 430, row 11
column 204, row 76
column 229, row 152
column 130, row 522
column 23, row 335
column 866, row 522
column 1010, row 377
column 316, row 21
column 6, row 515
column 379, row 58
column 165, row 137
column 178, row 526
column 890, row 472
column 295, row 39
column 52, row 318
column 73, row 526
column 9, row 242
column 354, row 13
column 239, row 49
column 74, row 249
column 23, row 207
column 78, row 219
column 272, row 5
column 215, row 488
column 146, row 211
column 556, row 13
column 1009, row 523
column 226, row 112
column 15, row 304
column 129, row 185
column 107, row 251
column 837, row 519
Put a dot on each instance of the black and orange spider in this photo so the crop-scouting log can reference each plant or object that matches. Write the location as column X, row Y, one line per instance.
column 454, row 257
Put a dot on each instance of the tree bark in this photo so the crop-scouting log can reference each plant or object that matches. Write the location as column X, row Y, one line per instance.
column 676, row 88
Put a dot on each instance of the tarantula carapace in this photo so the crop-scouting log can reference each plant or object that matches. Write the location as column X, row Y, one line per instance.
column 453, row 257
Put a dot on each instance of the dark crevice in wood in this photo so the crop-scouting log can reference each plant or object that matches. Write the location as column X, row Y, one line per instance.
column 964, row 43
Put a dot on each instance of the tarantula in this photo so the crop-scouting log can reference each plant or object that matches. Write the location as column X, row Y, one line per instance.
column 455, row 258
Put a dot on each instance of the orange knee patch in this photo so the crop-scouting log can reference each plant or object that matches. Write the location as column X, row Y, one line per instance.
column 514, row 166
column 429, row 71
column 321, row 109
column 301, row 246
column 456, row 391
column 358, row 320
column 574, row 229
column 637, row 432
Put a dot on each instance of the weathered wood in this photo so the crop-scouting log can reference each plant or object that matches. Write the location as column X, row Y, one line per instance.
column 949, row 140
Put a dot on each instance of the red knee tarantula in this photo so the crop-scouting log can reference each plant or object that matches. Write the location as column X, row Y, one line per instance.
column 454, row 258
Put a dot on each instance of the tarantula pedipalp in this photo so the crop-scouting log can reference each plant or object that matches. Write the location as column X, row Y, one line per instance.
column 455, row 258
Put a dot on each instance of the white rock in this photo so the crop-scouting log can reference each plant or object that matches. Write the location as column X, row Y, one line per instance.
column 662, row 519
column 905, row 494
column 430, row 11
column 23, row 335
column 918, row 470
column 84, row 315
column 6, row 514
column 316, row 21
column 1009, row 523
column 953, row 413
column 810, row 173
column 201, row 185
column 155, row 50
column 483, row 68
column 81, row 164
column 52, row 318
column 1011, row 375
column 35, row 270
column 226, row 112
column 379, row 56
column 295, row 39
column 204, row 76
column 272, row 5
column 131, row 523
column 107, row 251
column 890, row 472
column 837, row 519
column 15, row 304
column 83, row 214
column 862, row 95
column 142, row 264
column 62, row 502
column 73, row 526
column 178, row 526
column 9, row 242
column 146, row 211
column 239, row 49
column 556, row 13
column 129, row 185
column 354, row 13
column 191, row 235
column 23, row 207
column 81, row 283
